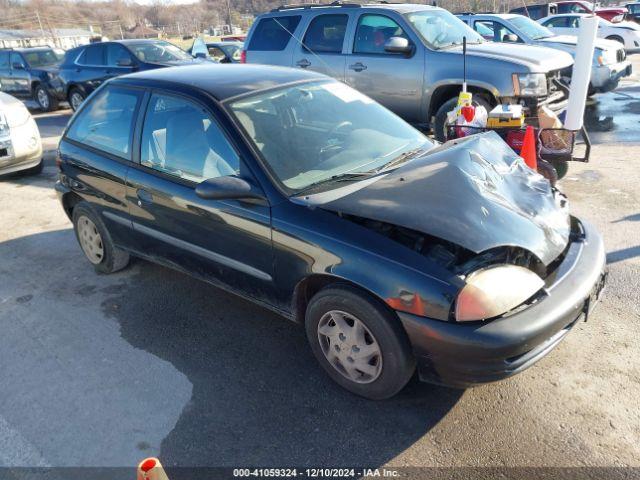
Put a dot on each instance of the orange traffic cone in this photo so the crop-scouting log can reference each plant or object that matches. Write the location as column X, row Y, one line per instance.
column 528, row 152
column 151, row 469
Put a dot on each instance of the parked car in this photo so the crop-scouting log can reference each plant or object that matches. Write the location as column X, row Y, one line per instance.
column 221, row 52
column 626, row 33
column 31, row 74
column 20, row 144
column 84, row 68
column 609, row 60
column 633, row 12
column 536, row 12
column 293, row 190
column 408, row 58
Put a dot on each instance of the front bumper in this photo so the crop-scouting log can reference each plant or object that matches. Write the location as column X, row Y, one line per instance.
column 464, row 355
column 22, row 149
column 605, row 78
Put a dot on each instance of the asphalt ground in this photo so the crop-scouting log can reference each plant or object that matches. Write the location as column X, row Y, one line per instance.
column 105, row 370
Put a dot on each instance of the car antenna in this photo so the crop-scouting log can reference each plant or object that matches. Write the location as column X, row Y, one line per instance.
column 464, row 64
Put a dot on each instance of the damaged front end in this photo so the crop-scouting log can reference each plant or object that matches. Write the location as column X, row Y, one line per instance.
column 475, row 209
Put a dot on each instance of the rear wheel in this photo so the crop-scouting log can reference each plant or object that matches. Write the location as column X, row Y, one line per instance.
column 440, row 121
column 76, row 97
column 46, row 102
column 358, row 342
column 95, row 241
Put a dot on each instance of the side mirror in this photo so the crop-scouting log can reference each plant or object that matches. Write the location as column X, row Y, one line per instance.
column 398, row 45
column 18, row 66
column 510, row 38
column 229, row 187
column 124, row 62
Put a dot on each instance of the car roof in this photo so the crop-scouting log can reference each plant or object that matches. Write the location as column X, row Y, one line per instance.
column 222, row 81
column 555, row 15
column 398, row 7
column 505, row 16
column 28, row 49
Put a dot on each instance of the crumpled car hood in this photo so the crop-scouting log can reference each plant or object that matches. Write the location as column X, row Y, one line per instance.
column 475, row 192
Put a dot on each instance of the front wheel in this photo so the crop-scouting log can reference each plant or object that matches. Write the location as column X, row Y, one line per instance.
column 76, row 97
column 358, row 342
column 440, row 121
column 45, row 100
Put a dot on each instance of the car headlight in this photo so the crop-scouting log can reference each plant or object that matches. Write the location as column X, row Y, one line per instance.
column 605, row 57
column 529, row 84
column 4, row 126
column 495, row 290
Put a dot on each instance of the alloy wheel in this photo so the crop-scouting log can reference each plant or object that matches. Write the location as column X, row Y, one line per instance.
column 90, row 240
column 76, row 100
column 43, row 99
column 349, row 346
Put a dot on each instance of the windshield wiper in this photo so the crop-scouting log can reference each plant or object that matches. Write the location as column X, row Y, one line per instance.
column 399, row 159
column 341, row 177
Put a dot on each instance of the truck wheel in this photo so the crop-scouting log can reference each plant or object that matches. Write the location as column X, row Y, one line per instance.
column 358, row 342
column 45, row 101
column 75, row 98
column 440, row 122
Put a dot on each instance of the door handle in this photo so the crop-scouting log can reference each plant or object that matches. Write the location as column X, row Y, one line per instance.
column 144, row 197
column 358, row 67
column 304, row 63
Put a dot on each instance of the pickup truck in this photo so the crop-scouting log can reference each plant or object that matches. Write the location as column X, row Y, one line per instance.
column 408, row 57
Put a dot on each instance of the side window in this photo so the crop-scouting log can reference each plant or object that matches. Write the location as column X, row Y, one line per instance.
column 180, row 138
column 499, row 32
column 17, row 58
column 94, row 55
column 573, row 22
column 117, row 53
column 4, row 59
column 373, row 32
column 326, row 34
column 273, row 34
column 484, row 28
column 107, row 121
column 557, row 22
column 535, row 12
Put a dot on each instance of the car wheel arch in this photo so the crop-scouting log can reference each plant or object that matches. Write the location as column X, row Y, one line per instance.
column 309, row 286
column 69, row 201
column 444, row 93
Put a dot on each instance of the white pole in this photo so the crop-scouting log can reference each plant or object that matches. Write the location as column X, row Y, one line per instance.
column 581, row 74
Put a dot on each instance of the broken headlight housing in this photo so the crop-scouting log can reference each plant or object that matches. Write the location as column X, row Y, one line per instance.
column 529, row 84
column 495, row 290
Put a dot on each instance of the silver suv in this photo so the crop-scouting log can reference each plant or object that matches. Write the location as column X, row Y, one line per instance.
column 407, row 57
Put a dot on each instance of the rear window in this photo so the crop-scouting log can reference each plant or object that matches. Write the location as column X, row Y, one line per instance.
column 273, row 34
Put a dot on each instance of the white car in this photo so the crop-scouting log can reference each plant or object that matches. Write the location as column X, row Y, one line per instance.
column 20, row 144
column 627, row 33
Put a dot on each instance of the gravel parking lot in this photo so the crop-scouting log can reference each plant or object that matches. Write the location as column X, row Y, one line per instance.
column 105, row 370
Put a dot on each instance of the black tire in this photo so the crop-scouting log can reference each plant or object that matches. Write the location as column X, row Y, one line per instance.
column 45, row 101
column 75, row 92
column 113, row 259
column 440, row 121
column 397, row 361
column 561, row 166
column 616, row 38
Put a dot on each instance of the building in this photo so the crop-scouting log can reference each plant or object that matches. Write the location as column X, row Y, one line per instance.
column 64, row 38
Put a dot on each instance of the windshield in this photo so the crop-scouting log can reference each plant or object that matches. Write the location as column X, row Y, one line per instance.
column 158, row 52
column 314, row 135
column 41, row 58
column 441, row 29
column 531, row 29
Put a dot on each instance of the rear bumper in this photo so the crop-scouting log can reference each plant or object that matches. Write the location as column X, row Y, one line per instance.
column 464, row 355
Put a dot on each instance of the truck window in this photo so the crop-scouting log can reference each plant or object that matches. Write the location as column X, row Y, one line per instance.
column 273, row 34
column 326, row 34
column 373, row 32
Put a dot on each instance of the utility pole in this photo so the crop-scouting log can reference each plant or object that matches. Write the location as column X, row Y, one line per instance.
column 40, row 23
column 229, row 17
column 121, row 34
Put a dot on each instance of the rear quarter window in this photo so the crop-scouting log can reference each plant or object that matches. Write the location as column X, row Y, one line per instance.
column 273, row 33
column 106, row 122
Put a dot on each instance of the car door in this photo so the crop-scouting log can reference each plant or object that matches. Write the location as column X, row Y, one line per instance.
column 119, row 61
column 394, row 80
column 20, row 76
column 5, row 72
column 562, row 25
column 323, row 44
column 96, row 152
column 227, row 242
column 91, row 68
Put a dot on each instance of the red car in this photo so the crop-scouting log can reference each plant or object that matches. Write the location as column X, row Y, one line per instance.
column 536, row 12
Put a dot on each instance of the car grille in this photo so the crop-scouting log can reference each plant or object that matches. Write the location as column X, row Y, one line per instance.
column 620, row 55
